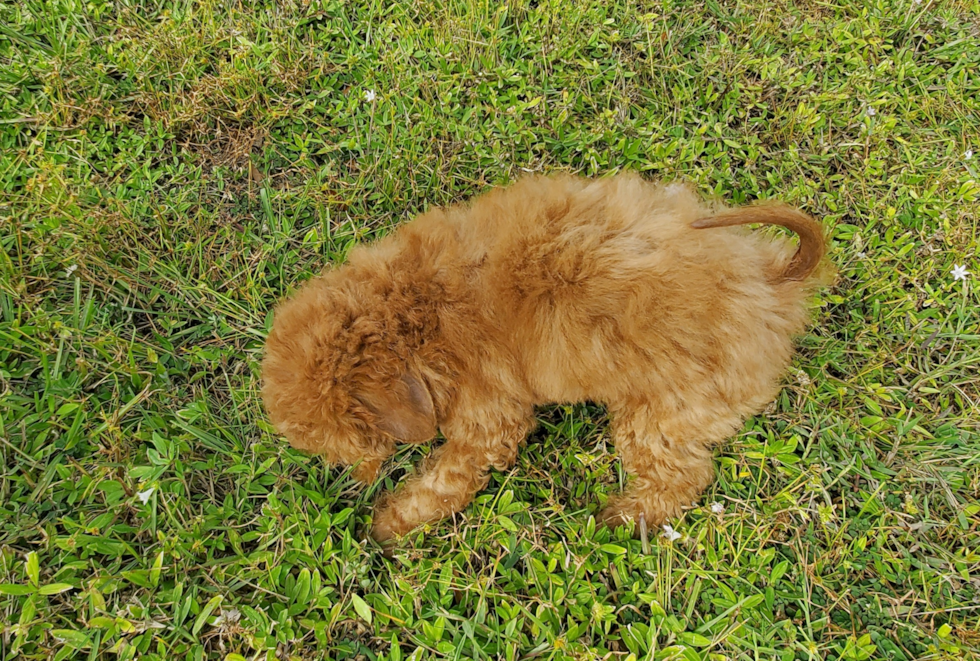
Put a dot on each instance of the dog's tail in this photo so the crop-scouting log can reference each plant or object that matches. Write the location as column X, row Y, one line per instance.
column 812, row 243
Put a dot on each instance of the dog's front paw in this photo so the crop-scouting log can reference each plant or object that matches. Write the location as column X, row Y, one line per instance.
column 388, row 525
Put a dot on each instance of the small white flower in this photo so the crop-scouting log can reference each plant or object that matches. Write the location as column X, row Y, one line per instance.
column 71, row 269
column 228, row 617
column 717, row 508
column 862, row 255
column 871, row 111
column 369, row 95
column 144, row 496
column 968, row 154
column 670, row 533
column 959, row 272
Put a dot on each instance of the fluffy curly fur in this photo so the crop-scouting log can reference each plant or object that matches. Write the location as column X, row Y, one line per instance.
column 556, row 289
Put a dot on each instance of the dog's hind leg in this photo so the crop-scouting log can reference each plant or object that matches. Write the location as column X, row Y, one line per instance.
column 668, row 456
column 449, row 479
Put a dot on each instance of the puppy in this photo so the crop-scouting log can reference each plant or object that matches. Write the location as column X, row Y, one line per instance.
column 556, row 289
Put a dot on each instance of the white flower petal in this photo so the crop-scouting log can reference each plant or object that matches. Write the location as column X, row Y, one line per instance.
column 959, row 272
column 144, row 496
column 717, row 508
column 670, row 533
column 228, row 617
column 369, row 95
column 968, row 154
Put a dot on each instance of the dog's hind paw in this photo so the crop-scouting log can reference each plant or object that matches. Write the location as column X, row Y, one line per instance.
column 621, row 511
column 613, row 517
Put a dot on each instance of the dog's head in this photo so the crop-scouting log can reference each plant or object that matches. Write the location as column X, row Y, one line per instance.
column 337, row 380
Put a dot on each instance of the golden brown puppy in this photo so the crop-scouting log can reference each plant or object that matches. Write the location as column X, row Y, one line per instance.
column 556, row 289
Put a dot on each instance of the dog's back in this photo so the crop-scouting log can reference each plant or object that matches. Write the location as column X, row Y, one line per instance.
column 604, row 287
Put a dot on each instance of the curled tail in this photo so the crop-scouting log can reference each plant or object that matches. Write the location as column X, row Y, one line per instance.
column 812, row 244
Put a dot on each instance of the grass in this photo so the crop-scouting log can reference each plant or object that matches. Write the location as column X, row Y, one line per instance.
column 168, row 170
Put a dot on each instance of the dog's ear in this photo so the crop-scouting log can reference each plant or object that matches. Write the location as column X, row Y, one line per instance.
column 403, row 409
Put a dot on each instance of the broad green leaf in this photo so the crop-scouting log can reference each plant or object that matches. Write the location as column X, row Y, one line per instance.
column 55, row 588
column 75, row 639
column 362, row 608
column 695, row 639
column 506, row 523
column 778, row 571
column 16, row 590
column 155, row 571
column 205, row 614
column 33, row 569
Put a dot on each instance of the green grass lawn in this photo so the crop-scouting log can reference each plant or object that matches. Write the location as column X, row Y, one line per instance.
column 168, row 170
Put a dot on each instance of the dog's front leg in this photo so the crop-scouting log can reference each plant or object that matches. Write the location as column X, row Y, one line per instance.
column 449, row 479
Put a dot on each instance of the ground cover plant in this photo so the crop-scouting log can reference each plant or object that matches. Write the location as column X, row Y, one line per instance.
column 168, row 170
